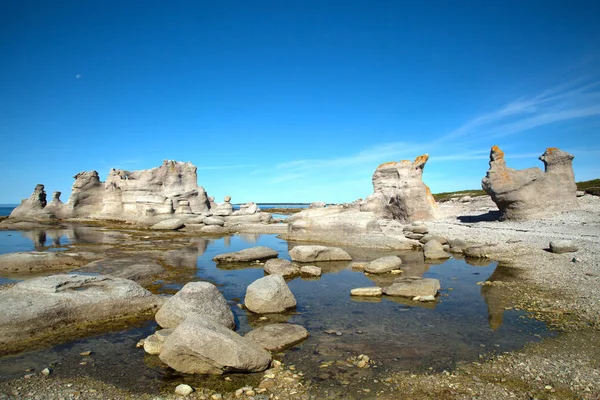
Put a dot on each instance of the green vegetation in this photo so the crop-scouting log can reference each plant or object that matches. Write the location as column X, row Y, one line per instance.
column 588, row 184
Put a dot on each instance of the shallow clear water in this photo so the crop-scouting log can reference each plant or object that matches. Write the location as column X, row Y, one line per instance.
column 399, row 335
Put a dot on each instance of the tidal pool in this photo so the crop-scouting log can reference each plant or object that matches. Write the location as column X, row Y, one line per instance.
column 398, row 335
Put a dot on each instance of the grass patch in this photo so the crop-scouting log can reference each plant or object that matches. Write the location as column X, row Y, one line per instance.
column 588, row 184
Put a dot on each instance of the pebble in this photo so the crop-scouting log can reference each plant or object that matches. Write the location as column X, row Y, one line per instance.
column 87, row 353
column 46, row 371
column 183, row 389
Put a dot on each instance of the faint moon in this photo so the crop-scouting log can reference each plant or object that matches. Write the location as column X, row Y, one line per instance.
column 78, row 76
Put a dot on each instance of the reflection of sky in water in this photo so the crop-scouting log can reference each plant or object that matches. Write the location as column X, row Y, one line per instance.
column 467, row 319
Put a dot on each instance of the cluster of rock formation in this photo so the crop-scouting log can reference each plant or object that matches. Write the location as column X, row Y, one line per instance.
column 399, row 194
column 522, row 194
column 145, row 196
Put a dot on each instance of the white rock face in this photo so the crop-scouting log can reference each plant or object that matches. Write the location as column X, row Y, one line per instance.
column 195, row 298
column 269, row 295
column 201, row 346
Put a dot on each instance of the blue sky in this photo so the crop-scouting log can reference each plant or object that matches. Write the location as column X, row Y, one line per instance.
column 294, row 100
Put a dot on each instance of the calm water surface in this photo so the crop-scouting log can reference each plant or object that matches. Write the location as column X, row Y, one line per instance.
column 467, row 320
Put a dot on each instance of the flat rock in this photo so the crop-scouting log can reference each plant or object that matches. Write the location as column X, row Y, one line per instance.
column 383, row 265
column 412, row 287
column 372, row 291
column 318, row 253
column 282, row 267
column 269, row 295
column 246, row 255
column 135, row 269
column 201, row 346
column 45, row 307
column 434, row 250
column 38, row 261
column 153, row 345
column 169, row 224
column 563, row 246
column 195, row 298
column 277, row 337
column 214, row 220
column 430, row 236
column 310, row 270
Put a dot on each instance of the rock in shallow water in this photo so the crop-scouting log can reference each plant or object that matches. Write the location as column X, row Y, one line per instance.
column 269, row 295
column 246, row 255
column 372, row 291
column 201, row 346
column 281, row 267
column 318, row 253
column 434, row 250
column 277, row 337
column 413, row 287
column 383, row 265
column 310, row 270
column 196, row 298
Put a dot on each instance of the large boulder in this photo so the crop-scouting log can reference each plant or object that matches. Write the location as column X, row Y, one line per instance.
column 331, row 223
column 282, row 267
column 413, row 287
column 53, row 305
column 247, row 255
column 277, row 337
column 196, row 298
column 528, row 193
column 32, row 207
column 399, row 191
column 269, row 295
column 383, row 265
column 201, row 346
column 318, row 253
column 171, row 224
column 247, row 209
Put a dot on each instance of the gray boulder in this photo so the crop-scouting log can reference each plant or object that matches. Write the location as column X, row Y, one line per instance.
column 478, row 251
column 269, row 295
column 277, row 337
column 318, row 253
column 195, row 298
column 563, row 246
column 281, row 267
column 434, row 250
column 310, row 271
column 214, row 220
column 457, row 245
column 413, row 287
column 246, row 255
column 171, row 224
column 426, row 238
column 383, row 265
column 528, row 193
column 201, row 346
column 48, row 307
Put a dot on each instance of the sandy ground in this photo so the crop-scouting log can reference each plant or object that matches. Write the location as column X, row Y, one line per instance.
column 561, row 289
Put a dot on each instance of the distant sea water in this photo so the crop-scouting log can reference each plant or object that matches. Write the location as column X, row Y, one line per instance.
column 6, row 209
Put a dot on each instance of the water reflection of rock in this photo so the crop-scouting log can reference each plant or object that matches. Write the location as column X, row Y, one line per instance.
column 495, row 295
column 251, row 238
column 187, row 256
column 37, row 237
column 72, row 235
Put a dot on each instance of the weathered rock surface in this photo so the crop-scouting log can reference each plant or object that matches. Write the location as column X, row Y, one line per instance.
column 269, row 295
column 282, row 267
column 322, row 223
column 32, row 207
column 373, row 291
column 277, row 337
column 318, row 253
column 413, row 287
column 310, row 270
column 224, row 209
column 195, row 298
column 383, row 265
column 563, row 246
column 246, row 255
column 201, row 346
column 434, row 250
column 317, row 204
column 49, row 306
column 478, row 251
column 136, row 269
column 171, row 224
column 247, row 209
column 219, row 221
column 38, row 261
column 399, row 192
column 523, row 194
